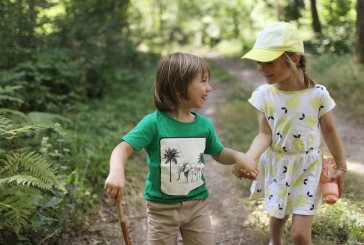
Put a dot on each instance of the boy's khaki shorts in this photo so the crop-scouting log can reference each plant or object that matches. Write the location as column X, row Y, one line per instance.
column 191, row 218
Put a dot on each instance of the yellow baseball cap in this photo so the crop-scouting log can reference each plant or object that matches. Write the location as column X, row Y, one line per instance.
column 274, row 40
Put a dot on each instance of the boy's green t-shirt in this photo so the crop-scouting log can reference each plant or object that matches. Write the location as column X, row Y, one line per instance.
column 174, row 155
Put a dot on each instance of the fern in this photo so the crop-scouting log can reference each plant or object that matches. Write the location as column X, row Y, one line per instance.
column 26, row 177
column 10, row 98
column 27, row 129
column 36, row 171
column 18, row 204
column 6, row 90
column 5, row 124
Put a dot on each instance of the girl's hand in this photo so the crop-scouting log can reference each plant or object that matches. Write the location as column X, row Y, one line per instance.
column 246, row 167
column 243, row 174
column 340, row 178
column 115, row 186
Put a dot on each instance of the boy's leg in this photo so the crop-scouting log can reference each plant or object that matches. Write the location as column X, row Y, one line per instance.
column 276, row 227
column 163, row 223
column 301, row 229
column 196, row 228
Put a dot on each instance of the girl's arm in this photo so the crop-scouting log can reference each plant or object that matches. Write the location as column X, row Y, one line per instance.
column 229, row 156
column 263, row 140
column 333, row 142
column 115, row 182
column 260, row 143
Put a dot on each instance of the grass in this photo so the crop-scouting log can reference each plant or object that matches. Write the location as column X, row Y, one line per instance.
column 342, row 223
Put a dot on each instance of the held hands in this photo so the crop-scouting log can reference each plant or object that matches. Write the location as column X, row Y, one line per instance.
column 245, row 167
column 115, row 186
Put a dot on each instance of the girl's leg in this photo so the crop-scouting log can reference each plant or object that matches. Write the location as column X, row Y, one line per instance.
column 301, row 229
column 276, row 227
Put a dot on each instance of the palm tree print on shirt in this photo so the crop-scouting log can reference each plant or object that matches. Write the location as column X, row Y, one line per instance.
column 198, row 172
column 171, row 156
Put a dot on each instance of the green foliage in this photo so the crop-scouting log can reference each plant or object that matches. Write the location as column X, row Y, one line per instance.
column 343, row 77
column 23, row 179
column 18, row 23
column 59, row 60
column 27, row 180
column 30, row 187
column 337, row 224
column 95, row 130
column 50, row 81
column 293, row 10
column 338, row 37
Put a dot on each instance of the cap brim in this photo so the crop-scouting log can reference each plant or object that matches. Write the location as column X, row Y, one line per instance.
column 262, row 55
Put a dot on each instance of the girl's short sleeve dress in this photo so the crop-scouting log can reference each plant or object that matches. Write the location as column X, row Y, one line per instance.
column 290, row 169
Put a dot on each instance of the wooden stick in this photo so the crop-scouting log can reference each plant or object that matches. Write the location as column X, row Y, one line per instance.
column 122, row 221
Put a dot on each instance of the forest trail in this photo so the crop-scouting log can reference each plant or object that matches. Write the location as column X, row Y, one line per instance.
column 228, row 214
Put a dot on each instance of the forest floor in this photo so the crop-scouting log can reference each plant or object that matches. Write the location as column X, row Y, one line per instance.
column 229, row 215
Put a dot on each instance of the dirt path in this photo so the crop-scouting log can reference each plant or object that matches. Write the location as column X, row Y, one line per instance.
column 228, row 214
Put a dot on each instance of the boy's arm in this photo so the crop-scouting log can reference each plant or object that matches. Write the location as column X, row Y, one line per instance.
column 333, row 142
column 263, row 139
column 229, row 156
column 115, row 182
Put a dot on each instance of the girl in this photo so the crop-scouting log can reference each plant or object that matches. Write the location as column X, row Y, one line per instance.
column 175, row 140
column 291, row 110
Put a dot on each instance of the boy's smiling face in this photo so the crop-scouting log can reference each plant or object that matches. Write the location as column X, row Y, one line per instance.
column 198, row 90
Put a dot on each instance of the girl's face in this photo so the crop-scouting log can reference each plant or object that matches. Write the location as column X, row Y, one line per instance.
column 198, row 91
column 275, row 71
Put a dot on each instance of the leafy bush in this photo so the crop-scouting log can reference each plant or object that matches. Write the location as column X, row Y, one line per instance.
column 49, row 82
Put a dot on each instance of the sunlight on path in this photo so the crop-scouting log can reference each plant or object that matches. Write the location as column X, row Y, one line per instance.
column 356, row 167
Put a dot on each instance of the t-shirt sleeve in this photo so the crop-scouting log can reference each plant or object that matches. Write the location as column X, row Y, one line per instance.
column 213, row 144
column 256, row 99
column 327, row 103
column 142, row 134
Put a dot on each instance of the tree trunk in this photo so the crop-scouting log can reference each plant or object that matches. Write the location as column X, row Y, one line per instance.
column 359, row 48
column 316, row 25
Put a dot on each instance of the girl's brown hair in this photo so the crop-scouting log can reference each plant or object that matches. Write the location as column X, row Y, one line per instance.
column 302, row 65
column 174, row 73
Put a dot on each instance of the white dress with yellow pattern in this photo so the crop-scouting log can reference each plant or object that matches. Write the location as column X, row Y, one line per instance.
column 289, row 171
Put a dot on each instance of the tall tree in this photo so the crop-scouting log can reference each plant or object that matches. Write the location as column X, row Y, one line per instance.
column 359, row 48
column 316, row 24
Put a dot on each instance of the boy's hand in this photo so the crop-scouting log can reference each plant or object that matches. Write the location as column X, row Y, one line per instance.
column 246, row 167
column 244, row 174
column 114, row 186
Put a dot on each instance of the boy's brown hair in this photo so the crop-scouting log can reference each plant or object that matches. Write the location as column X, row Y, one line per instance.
column 174, row 73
